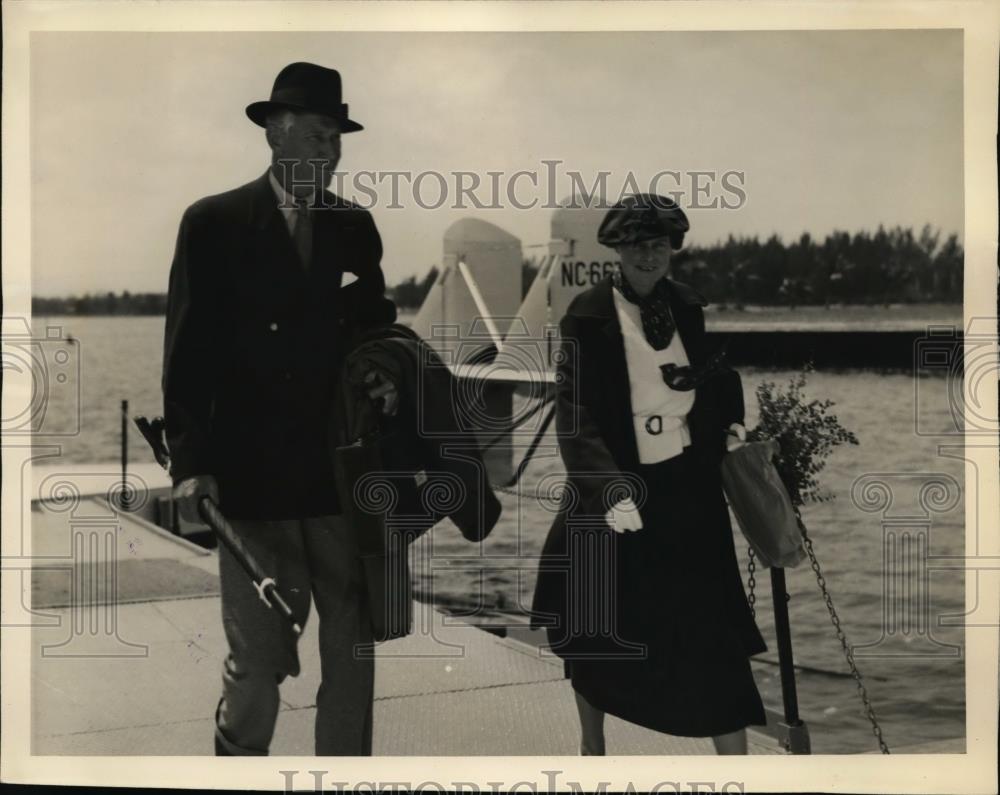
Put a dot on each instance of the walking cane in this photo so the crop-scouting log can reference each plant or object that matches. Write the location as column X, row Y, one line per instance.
column 267, row 588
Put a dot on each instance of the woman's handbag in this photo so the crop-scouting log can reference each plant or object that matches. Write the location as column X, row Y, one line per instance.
column 761, row 504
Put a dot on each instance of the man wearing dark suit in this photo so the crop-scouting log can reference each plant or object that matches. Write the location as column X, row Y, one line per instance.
column 256, row 326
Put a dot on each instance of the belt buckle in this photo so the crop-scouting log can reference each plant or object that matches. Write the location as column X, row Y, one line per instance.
column 658, row 425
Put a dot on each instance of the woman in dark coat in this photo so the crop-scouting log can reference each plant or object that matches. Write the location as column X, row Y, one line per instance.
column 639, row 588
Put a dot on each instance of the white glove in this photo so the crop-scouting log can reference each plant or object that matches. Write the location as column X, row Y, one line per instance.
column 624, row 517
column 736, row 437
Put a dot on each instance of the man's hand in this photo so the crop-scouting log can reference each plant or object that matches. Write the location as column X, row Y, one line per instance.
column 736, row 437
column 189, row 492
column 624, row 517
column 380, row 387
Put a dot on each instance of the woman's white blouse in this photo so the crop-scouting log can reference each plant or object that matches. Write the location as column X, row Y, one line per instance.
column 659, row 412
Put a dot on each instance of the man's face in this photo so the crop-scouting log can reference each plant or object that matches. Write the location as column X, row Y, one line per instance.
column 644, row 264
column 312, row 144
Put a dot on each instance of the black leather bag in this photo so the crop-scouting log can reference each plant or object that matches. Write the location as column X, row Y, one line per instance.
column 395, row 483
column 363, row 489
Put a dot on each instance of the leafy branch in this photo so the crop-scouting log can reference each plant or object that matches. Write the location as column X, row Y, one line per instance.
column 806, row 432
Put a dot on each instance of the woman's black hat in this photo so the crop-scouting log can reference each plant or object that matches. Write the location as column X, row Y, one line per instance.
column 308, row 88
column 642, row 217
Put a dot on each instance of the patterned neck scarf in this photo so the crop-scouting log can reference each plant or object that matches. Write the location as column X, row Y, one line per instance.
column 657, row 321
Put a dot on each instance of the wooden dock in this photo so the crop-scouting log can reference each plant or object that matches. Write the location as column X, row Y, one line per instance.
column 132, row 665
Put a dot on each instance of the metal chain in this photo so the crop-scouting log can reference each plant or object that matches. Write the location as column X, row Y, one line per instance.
column 752, row 582
column 841, row 636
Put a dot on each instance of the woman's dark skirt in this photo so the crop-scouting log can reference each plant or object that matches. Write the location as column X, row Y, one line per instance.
column 679, row 592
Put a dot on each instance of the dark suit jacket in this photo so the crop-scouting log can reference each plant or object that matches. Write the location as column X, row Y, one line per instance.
column 254, row 343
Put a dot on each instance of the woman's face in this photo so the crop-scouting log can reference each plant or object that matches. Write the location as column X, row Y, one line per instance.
column 644, row 264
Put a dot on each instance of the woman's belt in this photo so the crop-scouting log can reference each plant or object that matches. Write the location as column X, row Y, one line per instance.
column 660, row 436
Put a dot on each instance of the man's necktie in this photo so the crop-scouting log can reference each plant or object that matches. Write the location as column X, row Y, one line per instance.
column 303, row 234
column 657, row 321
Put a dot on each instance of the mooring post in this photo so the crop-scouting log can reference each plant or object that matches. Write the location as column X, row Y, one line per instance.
column 124, row 445
column 795, row 732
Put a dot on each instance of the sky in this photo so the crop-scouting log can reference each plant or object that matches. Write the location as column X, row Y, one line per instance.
column 829, row 129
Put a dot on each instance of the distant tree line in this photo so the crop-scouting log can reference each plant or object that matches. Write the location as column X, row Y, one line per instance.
column 881, row 267
column 410, row 293
column 887, row 266
column 124, row 303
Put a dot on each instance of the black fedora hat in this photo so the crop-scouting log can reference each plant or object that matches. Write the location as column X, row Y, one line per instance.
column 309, row 88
